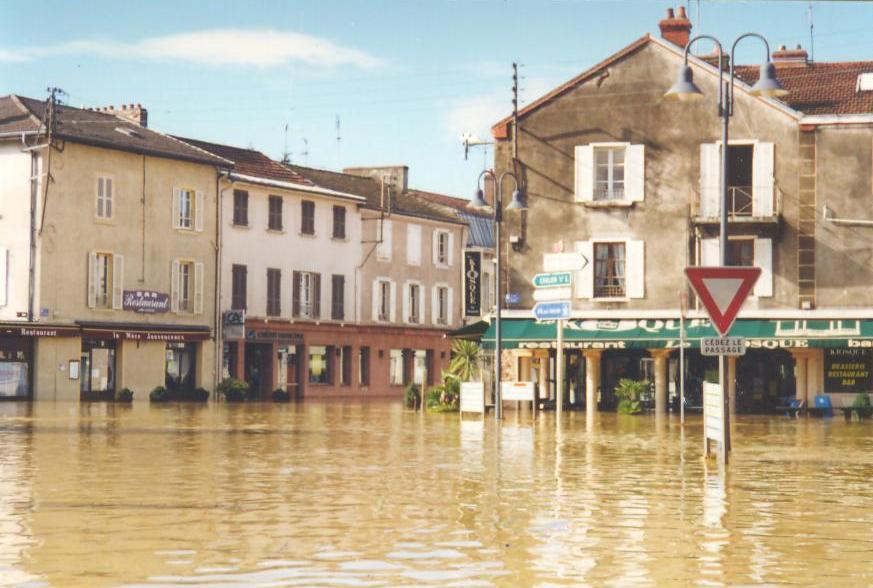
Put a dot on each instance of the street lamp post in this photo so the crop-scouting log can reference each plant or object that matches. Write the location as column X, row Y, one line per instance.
column 685, row 90
column 517, row 203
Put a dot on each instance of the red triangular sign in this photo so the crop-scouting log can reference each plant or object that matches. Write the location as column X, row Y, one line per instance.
column 722, row 290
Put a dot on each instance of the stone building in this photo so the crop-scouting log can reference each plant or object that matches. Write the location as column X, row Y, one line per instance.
column 107, row 256
column 630, row 180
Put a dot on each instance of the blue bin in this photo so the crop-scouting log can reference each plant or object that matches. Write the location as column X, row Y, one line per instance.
column 823, row 404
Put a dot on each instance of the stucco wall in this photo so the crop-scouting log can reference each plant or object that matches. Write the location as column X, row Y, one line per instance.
column 52, row 356
column 15, row 186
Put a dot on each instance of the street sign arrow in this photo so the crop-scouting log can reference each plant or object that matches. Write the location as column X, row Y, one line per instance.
column 552, row 280
column 722, row 290
column 546, row 311
column 564, row 262
column 548, row 294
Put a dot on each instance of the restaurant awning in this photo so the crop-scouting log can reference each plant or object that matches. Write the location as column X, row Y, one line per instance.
column 473, row 331
column 656, row 333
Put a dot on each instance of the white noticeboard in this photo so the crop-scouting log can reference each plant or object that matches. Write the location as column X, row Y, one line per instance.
column 517, row 391
column 472, row 397
column 713, row 412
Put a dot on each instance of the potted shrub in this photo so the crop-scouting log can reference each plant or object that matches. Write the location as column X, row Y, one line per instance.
column 199, row 395
column 434, row 395
column 861, row 406
column 280, row 395
column 159, row 394
column 628, row 393
column 412, row 397
column 124, row 395
column 233, row 389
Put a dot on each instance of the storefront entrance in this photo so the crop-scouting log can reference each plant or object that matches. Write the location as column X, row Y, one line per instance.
column 181, row 372
column 16, row 377
column 618, row 365
column 259, row 368
column 765, row 378
column 97, row 373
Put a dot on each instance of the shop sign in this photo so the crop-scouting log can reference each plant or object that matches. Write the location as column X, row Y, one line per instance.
column 732, row 346
column 517, row 391
column 234, row 324
column 162, row 337
column 472, row 283
column 848, row 370
column 268, row 335
column 146, row 301
column 40, row 331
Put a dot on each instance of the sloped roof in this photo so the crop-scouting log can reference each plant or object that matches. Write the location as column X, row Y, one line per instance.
column 20, row 114
column 481, row 233
column 406, row 203
column 250, row 162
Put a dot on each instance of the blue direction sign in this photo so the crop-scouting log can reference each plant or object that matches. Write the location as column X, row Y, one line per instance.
column 513, row 298
column 552, row 280
column 545, row 311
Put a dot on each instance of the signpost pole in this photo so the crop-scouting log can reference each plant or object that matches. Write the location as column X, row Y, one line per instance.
column 682, row 368
column 559, row 371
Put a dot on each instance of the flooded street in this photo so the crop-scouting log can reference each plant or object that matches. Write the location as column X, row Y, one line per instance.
column 325, row 494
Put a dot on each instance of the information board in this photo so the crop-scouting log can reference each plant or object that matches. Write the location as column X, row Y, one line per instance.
column 848, row 370
column 517, row 391
column 472, row 397
column 713, row 412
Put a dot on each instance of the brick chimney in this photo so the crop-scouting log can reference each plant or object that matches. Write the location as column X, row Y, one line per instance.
column 134, row 113
column 676, row 28
column 797, row 57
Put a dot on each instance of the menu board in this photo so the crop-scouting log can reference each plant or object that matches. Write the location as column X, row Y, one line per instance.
column 848, row 370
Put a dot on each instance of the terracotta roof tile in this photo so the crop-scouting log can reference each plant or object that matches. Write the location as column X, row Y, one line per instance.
column 250, row 162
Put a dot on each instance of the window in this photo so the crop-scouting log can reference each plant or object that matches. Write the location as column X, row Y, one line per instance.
column 364, row 366
column 241, row 208
column 337, row 297
column 609, row 266
column 740, row 252
column 307, row 295
column 739, row 182
column 180, row 366
column 395, row 367
column 384, row 300
column 383, row 236
column 339, row 222
column 419, row 367
column 104, row 280
column 274, row 292
column 609, row 173
column 413, row 244
column 186, row 209
column 442, row 309
column 307, row 217
column 413, row 303
column 104, row 198
column 443, row 251
column 238, row 288
column 186, row 286
column 345, row 369
column 320, row 364
column 274, row 213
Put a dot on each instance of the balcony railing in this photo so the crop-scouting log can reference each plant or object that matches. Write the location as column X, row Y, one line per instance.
column 609, row 290
column 741, row 201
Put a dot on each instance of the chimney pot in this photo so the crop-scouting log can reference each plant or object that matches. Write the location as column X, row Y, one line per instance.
column 682, row 12
column 670, row 13
column 676, row 28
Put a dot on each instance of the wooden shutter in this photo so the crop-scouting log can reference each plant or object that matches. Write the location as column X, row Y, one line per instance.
column 174, row 286
column 117, row 281
column 635, row 173
column 295, row 294
column 635, row 269
column 199, row 210
column 375, row 302
column 383, row 249
column 92, row 279
column 435, row 247
column 709, row 253
column 407, row 307
column 762, row 180
column 450, row 307
column 584, row 173
column 435, row 305
column 585, row 277
column 198, row 288
column 316, row 295
column 413, row 244
column 177, row 207
column 107, row 198
column 764, row 260
column 4, row 280
column 393, row 305
column 710, row 172
column 450, row 254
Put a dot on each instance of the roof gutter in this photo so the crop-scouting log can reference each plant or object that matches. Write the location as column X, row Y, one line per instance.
column 292, row 186
column 837, row 119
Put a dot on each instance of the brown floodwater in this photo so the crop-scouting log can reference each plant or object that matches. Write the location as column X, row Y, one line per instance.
column 367, row 494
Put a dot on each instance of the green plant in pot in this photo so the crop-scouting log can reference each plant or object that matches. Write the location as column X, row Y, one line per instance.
column 233, row 389
column 159, row 394
column 629, row 393
column 412, row 397
column 280, row 395
column 862, row 406
column 124, row 395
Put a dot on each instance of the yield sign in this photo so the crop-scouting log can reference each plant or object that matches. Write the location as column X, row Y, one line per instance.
column 722, row 291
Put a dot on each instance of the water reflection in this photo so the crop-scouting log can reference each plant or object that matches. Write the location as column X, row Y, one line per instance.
column 371, row 495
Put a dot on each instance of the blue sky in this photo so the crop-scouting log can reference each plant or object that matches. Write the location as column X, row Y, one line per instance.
column 405, row 78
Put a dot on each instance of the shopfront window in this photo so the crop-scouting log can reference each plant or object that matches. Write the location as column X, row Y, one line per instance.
column 419, row 373
column 319, row 364
column 97, row 372
column 395, row 367
column 15, row 358
column 180, row 366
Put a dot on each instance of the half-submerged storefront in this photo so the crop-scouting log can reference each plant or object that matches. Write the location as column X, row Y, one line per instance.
column 796, row 358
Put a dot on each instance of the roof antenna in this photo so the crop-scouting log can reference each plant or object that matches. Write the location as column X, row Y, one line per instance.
column 811, row 31
column 286, row 156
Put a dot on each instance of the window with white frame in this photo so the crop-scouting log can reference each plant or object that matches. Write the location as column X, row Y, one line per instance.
column 442, row 248
column 384, row 300
column 186, row 286
column 307, row 295
column 103, row 277
column 442, row 305
column 413, row 304
column 105, row 280
column 617, row 269
column 104, row 197
column 395, row 367
column 609, row 270
column 609, row 173
column 186, row 209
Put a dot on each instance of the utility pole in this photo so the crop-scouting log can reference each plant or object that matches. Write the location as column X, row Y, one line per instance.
column 514, row 113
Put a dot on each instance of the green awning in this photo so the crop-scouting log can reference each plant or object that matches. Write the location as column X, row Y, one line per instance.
column 473, row 331
column 664, row 333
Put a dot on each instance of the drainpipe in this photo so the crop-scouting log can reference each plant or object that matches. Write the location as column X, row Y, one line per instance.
column 826, row 215
column 31, row 268
column 219, row 324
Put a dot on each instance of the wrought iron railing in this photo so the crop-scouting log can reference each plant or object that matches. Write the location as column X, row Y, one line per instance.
column 741, row 201
column 611, row 289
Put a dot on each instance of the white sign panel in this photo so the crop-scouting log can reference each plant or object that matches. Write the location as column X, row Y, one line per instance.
column 517, row 391
column 713, row 412
column 550, row 294
column 733, row 346
column 564, row 262
column 472, row 397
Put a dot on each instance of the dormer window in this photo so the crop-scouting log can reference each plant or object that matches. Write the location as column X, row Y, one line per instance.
column 865, row 82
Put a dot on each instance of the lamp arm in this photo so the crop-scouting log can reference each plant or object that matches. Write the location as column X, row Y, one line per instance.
column 730, row 100
column 717, row 43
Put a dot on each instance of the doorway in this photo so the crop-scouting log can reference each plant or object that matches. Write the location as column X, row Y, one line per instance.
column 259, row 368
column 764, row 378
column 97, row 374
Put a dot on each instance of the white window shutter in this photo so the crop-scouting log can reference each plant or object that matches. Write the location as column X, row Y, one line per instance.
column 377, row 291
column 635, row 269
column 451, row 253
column 584, row 173
column 435, row 247
column 198, row 288
column 406, row 307
column 383, row 249
column 762, row 180
column 413, row 244
column 199, row 206
column 4, row 281
column 450, row 308
column 393, row 305
column 422, row 307
column 108, row 199
column 764, row 260
column 174, row 286
column 117, row 281
column 100, row 189
column 177, row 207
column 710, row 172
column 585, row 277
column 709, row 252
column 92, row 279
column 435, row 304
column 635, row 173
